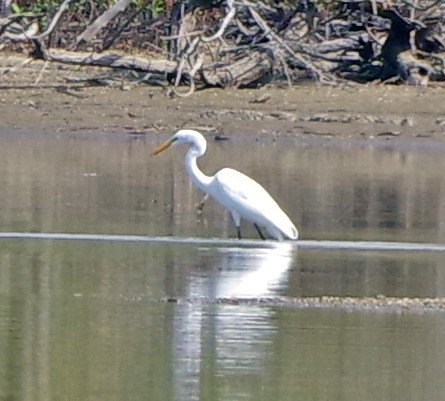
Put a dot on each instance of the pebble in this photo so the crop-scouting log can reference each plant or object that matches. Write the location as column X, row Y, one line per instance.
column 378, row 303
column 440, row 121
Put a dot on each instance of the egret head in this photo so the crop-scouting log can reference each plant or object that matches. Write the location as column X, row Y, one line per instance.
column 187, row 137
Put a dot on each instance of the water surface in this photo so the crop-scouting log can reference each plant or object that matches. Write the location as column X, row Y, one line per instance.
column 197, row 320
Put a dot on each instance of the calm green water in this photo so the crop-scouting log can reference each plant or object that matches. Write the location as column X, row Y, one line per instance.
column 125, row 321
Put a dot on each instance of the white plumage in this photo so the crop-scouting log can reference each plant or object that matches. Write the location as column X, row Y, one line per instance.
column 235, row 191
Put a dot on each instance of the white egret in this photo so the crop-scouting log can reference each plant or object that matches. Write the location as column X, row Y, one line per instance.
column 238, row 193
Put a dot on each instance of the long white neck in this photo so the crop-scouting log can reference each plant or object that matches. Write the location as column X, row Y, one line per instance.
column 201, row 180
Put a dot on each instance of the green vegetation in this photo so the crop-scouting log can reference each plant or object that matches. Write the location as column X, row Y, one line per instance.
column 155, row 7
column 44, row 6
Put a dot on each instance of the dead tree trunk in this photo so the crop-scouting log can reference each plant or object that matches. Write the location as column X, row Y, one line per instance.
column 252, row 70
column 399, row 53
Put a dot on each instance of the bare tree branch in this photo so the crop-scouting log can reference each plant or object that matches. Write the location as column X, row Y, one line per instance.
column 257, row 42
column 55, row 20
column 225, row 23
column 268, row 31
column 101, row 21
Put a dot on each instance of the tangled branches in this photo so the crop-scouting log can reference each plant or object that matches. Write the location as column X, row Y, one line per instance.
column 239, row 43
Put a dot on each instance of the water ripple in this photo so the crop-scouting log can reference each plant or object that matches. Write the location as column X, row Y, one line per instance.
column 245, row 243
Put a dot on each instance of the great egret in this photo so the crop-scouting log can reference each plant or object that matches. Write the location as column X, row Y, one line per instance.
column 238, row 193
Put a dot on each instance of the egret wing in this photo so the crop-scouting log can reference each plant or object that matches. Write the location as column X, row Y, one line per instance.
column 240, row 193
column 241, row 188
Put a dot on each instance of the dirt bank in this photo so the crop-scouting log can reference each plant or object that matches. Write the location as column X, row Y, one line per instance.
column 56, row 104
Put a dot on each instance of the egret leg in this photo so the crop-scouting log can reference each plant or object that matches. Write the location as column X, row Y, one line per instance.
column 237, row 220
column 259, row 232
column 200, row 205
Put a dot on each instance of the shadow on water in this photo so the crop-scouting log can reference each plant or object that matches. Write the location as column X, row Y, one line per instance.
column 172, row 318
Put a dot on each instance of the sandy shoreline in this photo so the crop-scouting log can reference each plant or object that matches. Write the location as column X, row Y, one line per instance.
column 56, row 106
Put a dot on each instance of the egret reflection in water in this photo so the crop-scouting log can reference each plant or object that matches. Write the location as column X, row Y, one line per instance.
column 253, row 274
column 231, row 335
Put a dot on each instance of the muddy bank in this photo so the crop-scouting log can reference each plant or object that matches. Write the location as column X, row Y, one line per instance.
column 63, row 101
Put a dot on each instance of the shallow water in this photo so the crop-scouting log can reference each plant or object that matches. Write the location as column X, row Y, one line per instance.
column 163, row 319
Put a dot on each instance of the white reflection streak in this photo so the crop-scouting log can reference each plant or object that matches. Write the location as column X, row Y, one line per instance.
column 187, row 352
column 255, row 273
column 238, row 336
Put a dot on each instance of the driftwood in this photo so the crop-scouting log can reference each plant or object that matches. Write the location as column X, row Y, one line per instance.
column 111, row 60
column 255, row 69
column 10, row 29
column 249, row 43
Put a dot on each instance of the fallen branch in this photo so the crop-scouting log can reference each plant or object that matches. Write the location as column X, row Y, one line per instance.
column 10, row 29
column 262, row 41
column 111, row 60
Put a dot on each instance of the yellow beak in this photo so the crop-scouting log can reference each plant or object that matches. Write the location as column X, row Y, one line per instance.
column 162, row 147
